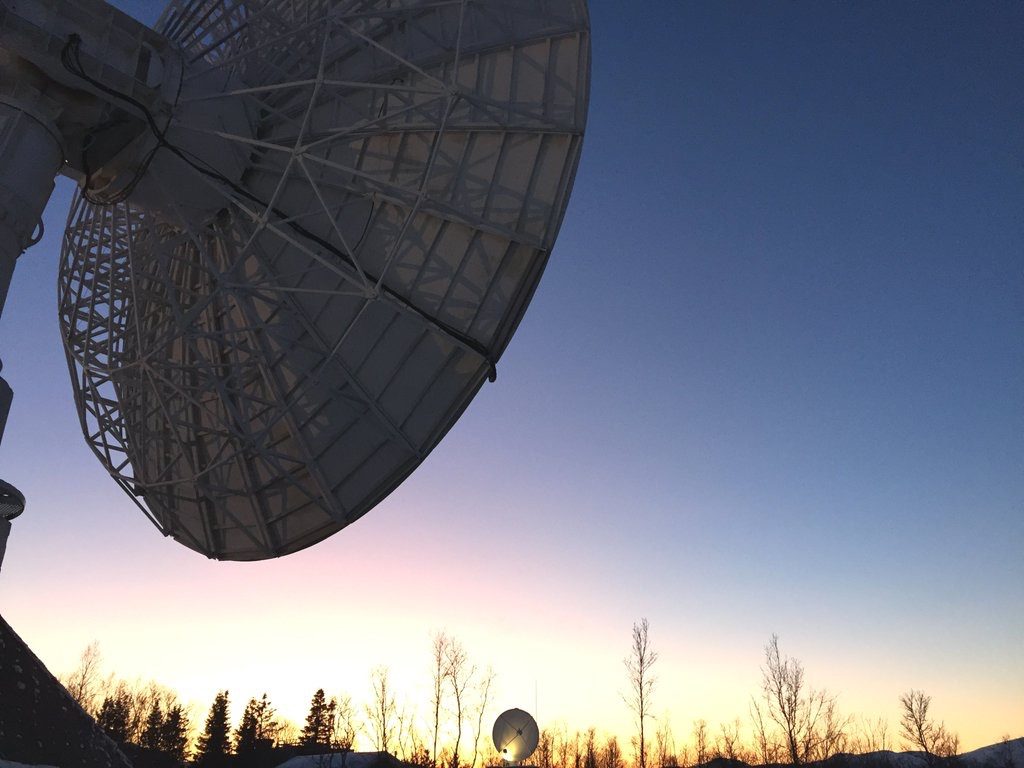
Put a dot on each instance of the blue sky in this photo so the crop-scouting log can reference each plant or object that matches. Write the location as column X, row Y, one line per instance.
column 771, row 382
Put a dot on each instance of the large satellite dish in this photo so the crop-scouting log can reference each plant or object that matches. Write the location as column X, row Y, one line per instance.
column 305, row 234
column 515, row 735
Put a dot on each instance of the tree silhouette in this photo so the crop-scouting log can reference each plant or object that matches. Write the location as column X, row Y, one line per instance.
column 154, row 726
column 213, row 744
column 459, row 673
column 665, row 743
column 811, row 728
column 382, row 713
column 765, row 746
column 700, row 740
column 641, row 685
column 113, row 717
column 590, row 749
column 612, row 757
column 919, row 729
column 84, row 683
column 245, row 734
column 257, row 730
column 149, row 715
column 342, row 721
column 317, row 731
column 484, row 691
column 174, row 733
column 439, row 650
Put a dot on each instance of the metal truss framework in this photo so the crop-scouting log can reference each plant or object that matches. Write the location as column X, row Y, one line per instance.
column 261, row 376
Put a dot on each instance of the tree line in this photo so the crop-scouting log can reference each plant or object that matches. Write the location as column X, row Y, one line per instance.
column 149, row 716
column 788, row 722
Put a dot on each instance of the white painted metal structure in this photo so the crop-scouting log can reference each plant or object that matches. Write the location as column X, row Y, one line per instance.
column 307, row 231
column 515, row 735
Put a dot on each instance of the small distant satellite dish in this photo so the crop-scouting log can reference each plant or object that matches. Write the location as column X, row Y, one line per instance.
column 515, row 735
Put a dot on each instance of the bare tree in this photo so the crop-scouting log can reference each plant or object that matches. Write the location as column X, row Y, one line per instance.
column 459, row 672
column 562, row 746
column 482, row 704
column 729, row 745
column 612, row 757
column 576, row 749
column 765, row 746
column 795, row 710
column 288, row 732
column 700, row 741
column 948, row 743
column 920, row 731
column 665, row 744
column 420, row 751
column 590, row 750
column 406, row 719
column 917, row 729
column 84, row 683
column 783, row 682
column 382, row 713
column 831, row 736
column 544, row 755
column 343, row 723
column 439, row 660
column 871, row 736
column 139, row 696
column 641, row 685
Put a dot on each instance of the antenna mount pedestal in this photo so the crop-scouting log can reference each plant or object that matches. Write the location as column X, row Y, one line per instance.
column 5, row 530
column 30, row 156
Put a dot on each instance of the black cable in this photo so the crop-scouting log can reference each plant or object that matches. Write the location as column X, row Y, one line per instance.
column 71, row 60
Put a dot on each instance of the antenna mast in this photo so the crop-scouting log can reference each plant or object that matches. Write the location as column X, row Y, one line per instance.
column 48, row 124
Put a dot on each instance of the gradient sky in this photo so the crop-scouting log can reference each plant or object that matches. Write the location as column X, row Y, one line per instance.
column 772, row 381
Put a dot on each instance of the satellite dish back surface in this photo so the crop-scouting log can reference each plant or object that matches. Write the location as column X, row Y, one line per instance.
column 515, row 735
column 277, row 300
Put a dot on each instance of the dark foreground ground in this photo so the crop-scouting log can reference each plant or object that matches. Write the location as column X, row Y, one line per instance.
column 40, row 724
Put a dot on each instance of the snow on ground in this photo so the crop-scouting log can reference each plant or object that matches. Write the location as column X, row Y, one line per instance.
column 339, row 760
column 10, row 764
column 1006, row 753
column 314, row 761
column 905, row 759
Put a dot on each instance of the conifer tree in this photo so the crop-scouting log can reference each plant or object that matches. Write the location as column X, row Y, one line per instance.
column 330, row 720
column 113, row 717
column 214, row 745
column 245, row 734
column 317, row 731
column 154, row 727
column 174, row 734
column 267, row 728
column 258, row 729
